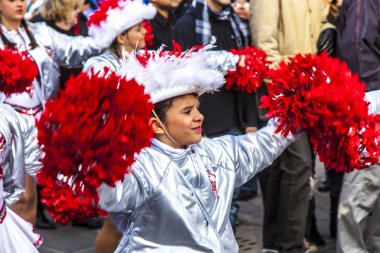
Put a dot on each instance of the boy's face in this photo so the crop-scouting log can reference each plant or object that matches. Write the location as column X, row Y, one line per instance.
column 183, row 122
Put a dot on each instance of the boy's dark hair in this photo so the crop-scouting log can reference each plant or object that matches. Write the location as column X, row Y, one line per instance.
column 163, row 106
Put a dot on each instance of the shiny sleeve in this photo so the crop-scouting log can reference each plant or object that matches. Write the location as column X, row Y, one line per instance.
column 222, row 60
column 94, row 65
column 98, row 64
column 373, row 97
column 13, row 163
column 122, row 198
column 143, row 180
column 24, row 155
column 253, row 152
column 67, row 51
column 32, row 151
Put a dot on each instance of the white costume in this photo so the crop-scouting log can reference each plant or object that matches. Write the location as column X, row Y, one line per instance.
column 19, row 153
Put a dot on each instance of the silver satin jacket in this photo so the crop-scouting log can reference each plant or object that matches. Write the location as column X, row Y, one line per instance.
column 24, row 154
column 179, row 201
column 373, row 97
column 54, row 49
column 107, row 59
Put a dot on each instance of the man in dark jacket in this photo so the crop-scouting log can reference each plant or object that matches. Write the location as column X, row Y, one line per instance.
column 359, row 39
column 163, row 23
column 237, row 111
column 227, row 111
column 358, row 43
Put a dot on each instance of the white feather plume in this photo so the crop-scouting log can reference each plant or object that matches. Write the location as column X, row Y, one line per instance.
column 166, row 75
column 128, row 14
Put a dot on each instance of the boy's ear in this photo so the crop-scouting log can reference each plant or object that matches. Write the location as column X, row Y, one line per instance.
column 155, row 125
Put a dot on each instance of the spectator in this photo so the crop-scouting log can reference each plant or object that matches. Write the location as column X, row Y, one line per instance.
column 163, row 23
column 182, row 7
column 241, row 8
column 201, row 22
column 284, row 28
column 249, row 189
column 358, row 43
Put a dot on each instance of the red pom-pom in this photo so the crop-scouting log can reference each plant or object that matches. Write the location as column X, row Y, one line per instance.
column 321, row 96
column 149, row 33
column 62, row 203
column 248, row 78
column 17, row 71
column 90, row 135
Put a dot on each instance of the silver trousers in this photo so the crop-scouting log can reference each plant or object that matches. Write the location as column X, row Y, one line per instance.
column 359, row 212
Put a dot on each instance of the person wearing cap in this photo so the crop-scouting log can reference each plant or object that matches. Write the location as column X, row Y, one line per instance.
column 178, row 195
column 119, row 32
column 19, row 153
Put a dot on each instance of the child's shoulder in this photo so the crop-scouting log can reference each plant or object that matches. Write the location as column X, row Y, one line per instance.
column 150, row 157
column 215, row 143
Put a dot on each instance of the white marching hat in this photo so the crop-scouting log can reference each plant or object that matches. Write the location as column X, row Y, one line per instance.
column 114, row 17
column 168, row 74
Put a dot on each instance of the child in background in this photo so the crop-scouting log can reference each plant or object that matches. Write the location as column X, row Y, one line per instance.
column 19, row 153
column 123, row 36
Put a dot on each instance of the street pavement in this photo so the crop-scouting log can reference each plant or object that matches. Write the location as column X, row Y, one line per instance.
column 71, row 239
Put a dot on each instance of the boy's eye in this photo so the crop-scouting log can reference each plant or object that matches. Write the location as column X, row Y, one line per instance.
column 187, row 111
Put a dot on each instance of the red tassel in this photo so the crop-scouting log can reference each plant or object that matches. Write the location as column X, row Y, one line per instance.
column 90, row 135
column 320, row 95
column 17, row 71
column 250, row 77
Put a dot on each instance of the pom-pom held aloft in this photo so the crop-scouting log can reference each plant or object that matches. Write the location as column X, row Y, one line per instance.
column 17, row 71
column 90, row 135
column 320, row 95
column 249, row 77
